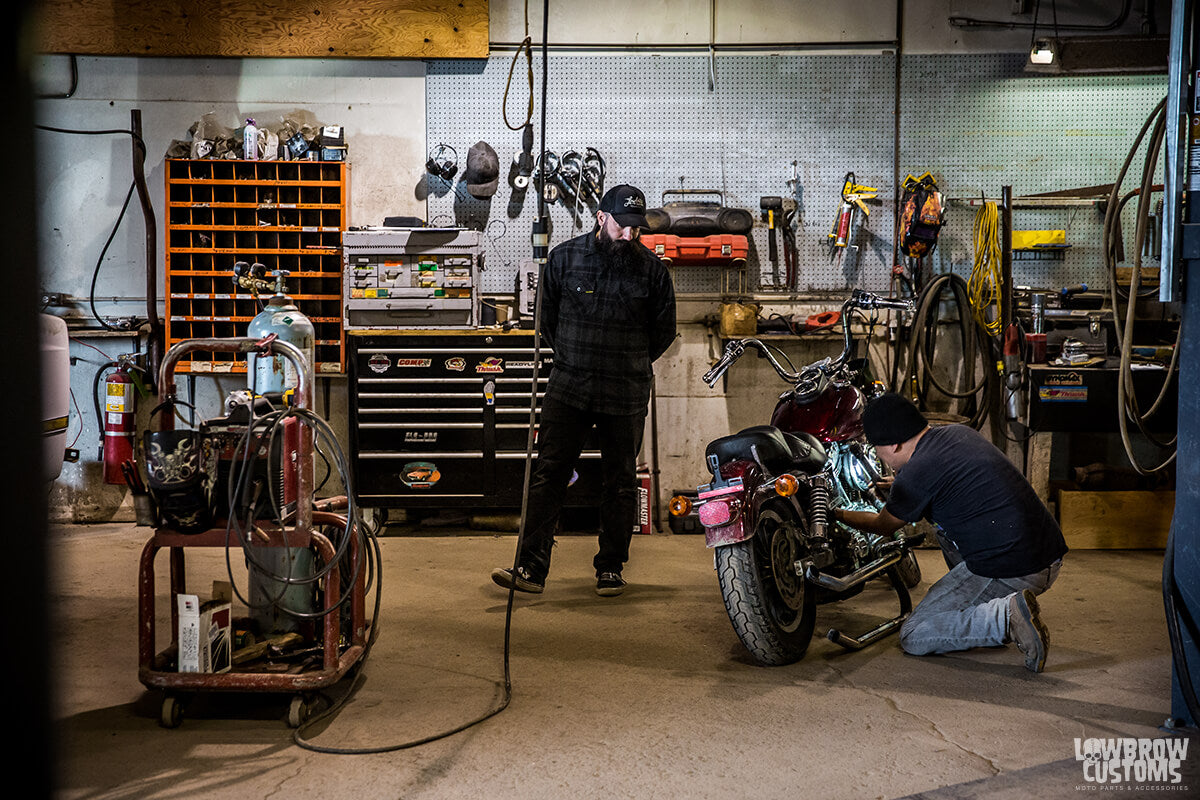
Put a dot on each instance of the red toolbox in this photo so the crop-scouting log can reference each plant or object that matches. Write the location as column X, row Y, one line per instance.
column 720, row 249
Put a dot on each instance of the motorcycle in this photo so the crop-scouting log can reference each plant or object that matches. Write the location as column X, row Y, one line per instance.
column 767, row 511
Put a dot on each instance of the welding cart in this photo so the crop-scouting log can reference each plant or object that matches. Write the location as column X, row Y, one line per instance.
column 338, row 634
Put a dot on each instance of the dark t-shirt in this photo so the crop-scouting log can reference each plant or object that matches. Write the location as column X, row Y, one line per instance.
column 963, row 483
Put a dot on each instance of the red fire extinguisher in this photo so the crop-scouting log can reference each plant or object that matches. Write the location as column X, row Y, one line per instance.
column 120, row 408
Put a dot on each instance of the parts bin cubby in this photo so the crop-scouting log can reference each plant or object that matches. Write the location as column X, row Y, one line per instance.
column 287, row 215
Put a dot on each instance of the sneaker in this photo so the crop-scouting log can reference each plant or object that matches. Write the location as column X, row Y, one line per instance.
column 609, row 584
column 1027, row 630
column 520, row 579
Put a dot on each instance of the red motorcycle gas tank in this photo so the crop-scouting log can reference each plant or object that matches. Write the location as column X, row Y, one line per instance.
column 835, row 415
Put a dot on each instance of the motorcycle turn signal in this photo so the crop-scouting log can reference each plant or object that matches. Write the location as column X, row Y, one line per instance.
column 787, row 485
column 680, row 506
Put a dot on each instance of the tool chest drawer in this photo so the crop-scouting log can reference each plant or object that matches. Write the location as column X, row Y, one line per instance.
column 440, row 418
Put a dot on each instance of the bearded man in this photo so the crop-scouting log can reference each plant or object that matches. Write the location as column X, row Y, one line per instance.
column 608, row 312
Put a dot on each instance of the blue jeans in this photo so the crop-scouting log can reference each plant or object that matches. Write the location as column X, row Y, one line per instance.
column 964, row 610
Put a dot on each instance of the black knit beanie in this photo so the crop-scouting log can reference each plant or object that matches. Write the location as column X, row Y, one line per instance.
column 892, row 419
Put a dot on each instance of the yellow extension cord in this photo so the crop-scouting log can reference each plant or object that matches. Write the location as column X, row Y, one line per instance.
column 983, row 289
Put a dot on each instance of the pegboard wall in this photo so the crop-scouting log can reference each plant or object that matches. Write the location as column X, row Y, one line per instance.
column 976, row 122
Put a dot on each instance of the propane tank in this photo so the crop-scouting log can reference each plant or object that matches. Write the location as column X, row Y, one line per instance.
column 266, row 374
column 120, row 409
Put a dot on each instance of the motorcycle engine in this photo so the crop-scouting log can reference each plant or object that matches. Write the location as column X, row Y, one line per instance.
column 852, row 478
column 853, row 481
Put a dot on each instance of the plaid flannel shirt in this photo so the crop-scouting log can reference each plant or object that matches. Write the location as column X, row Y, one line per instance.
column 606, row 326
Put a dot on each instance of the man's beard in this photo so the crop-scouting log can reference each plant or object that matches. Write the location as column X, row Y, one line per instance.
column 621, row 252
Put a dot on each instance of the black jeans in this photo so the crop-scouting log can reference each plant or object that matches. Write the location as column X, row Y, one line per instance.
column 561, row 436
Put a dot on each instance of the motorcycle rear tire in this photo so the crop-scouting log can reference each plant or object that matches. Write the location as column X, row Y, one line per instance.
column 769, row 627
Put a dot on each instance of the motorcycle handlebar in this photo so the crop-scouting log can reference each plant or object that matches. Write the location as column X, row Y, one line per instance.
column 736, row 348
column 868, row 301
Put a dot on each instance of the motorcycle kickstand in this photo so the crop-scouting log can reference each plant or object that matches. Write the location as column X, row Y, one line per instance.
column 878, row 632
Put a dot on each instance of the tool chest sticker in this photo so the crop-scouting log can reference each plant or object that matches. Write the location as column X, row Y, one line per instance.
column 1063, row 394
column 379, row 362
column 420, row 474
column 456, row 364
column 490, row 364
column 419, row 363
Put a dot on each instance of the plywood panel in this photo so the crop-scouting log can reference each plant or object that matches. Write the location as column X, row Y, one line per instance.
column 1115, row 520
column 266, row 28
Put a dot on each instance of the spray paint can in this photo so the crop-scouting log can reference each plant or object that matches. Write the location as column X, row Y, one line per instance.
column 1037, row 305
column 250, row 141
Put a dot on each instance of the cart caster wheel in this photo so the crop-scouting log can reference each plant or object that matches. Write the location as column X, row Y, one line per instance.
column 299, row 711
column 172, row 712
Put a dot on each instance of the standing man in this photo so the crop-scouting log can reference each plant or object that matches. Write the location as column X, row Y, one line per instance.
column 608, row 310
column 1003, row 546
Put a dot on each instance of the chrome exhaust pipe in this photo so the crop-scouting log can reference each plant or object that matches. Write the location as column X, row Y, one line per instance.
column 862, row 575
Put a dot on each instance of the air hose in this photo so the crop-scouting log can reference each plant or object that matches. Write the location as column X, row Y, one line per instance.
column 1177, row 613
column 1127, row 405
column 918, row 378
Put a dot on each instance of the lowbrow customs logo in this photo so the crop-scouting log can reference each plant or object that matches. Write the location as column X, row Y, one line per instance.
column 1125, row 764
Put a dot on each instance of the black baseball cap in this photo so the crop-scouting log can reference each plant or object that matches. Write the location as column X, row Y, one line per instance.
column 627, row 205
column 483, row 170
column 892, row 419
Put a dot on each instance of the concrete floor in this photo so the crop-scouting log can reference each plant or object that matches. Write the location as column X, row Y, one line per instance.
column 645, row 695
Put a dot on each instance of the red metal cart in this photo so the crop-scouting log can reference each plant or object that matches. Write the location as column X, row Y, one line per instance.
column 342, row 638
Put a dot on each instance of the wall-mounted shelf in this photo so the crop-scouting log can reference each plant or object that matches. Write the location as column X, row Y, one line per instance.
column 287, row 215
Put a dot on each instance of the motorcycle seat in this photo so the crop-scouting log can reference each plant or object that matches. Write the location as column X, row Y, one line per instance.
column 776, row 449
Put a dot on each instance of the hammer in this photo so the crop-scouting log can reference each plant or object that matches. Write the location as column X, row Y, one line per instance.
column 771, row 205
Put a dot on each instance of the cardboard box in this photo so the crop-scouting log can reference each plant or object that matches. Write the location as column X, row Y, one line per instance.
column 205, row 643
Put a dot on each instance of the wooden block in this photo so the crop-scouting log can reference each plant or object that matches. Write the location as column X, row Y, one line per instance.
column 1115, row 520
column 265, row 28
column 1148, row 276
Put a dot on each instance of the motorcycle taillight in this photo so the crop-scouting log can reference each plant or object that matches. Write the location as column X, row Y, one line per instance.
column 716, row 512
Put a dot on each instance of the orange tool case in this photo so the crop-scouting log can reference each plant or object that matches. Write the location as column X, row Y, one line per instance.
column 715, row 250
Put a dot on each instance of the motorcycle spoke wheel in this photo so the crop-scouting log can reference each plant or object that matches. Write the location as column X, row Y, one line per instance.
column 772, row 610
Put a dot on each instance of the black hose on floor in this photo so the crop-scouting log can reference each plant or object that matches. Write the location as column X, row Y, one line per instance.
column 506, row 685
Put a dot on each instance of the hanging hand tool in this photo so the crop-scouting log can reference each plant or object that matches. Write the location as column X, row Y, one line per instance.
column 854, row 196
column 771, row 205
column 522, row 168
column 1013, row 370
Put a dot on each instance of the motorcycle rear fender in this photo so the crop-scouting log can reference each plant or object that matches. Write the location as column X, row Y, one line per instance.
column 741, row 528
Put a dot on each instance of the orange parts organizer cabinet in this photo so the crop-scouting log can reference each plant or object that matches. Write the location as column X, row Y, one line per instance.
column 286, row 215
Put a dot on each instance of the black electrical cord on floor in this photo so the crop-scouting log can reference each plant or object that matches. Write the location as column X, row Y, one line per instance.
column 506, row 685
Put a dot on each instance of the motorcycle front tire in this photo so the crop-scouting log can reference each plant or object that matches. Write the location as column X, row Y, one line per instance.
column 772, row 629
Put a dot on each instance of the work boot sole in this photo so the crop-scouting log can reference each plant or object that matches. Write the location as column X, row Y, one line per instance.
column 1028, row 605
